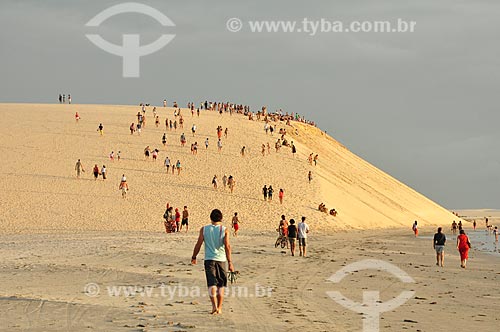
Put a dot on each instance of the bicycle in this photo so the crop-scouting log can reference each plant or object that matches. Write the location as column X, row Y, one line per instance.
column 281, row 240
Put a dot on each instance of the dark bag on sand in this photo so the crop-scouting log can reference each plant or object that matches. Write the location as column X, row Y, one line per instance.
column 165, row 215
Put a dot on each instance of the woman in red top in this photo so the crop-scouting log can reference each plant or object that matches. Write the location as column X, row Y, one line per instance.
column 463, row 246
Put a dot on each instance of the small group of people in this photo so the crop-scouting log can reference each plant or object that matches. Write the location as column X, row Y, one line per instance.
column 62, row 99
column 312, row 159
column 322, row 207
column 227, row 181
column 167, row 163
column 173, row 222
column 294, row 233
column 148, row 153
column 463, row 247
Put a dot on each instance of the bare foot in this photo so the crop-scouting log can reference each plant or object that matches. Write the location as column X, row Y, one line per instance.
column 215, row 311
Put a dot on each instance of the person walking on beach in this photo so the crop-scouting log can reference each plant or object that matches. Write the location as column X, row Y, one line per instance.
column 214, row 182
column 118, row 155
column 235, row 224
column 178, row 166
column 270, row 192
column 438, row 243
column 79, row 168
column 224, row 181
column 123, row 186
column 167, row 164
column 96, row 171
column 103, row 172
column 302, row 231
column 231, row 183
column 177, row 220
column 463, row 246
column 415, row 228
column 281, row 194
column 100, row 129
column 495, row 233
column 474, row 224
column 292, row 235
column 264, row 192
column 185, row 218
column 217, row 253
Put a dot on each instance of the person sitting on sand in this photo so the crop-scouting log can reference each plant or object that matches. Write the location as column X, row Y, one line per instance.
column 217, row 253
column 333, row 212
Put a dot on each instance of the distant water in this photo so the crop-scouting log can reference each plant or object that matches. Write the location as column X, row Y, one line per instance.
column 482, row 240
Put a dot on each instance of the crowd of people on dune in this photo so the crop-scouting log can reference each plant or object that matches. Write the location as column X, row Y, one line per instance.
column 177, row 121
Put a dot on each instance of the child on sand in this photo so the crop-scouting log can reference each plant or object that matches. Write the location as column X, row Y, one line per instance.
column 235, row 224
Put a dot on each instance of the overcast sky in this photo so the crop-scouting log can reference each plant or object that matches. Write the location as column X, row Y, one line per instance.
column 422, row 106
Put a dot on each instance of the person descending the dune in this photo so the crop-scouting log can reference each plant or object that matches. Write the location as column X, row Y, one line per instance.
column 231, row 183
column 264, row 192
column 100, row 129
column 309, row 176
column 167, row 163
column 164, row 139
column 79, row 168
column 224, row 181
column 281, row 194
column 123, row 186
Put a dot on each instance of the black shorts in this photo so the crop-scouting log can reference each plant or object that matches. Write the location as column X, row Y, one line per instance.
column 215, row 272
column 184, row 221
column 302, row 242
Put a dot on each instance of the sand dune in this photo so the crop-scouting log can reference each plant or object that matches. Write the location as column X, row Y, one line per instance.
column 41, row 144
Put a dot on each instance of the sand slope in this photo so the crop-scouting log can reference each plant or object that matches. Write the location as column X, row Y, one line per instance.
column 41, row 143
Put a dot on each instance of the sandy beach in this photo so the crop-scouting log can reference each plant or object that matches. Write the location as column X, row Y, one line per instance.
column 43, row 280
column 77, row 257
